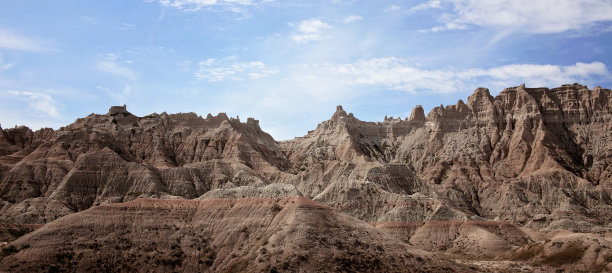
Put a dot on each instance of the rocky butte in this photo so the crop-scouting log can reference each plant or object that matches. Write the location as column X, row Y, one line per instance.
column 519, row 182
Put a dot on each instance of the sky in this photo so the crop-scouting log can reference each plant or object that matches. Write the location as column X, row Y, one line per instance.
column 287, row 63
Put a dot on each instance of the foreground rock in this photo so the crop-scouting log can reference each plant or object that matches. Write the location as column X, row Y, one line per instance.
column 222, row 235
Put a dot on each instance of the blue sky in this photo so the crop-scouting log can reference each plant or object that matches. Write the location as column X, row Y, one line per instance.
column 287, row 63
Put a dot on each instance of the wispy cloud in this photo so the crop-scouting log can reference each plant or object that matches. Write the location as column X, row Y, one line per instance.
column 539, row 16
column 126, row 26
column 433, row 4
column 399, row 74
column 38, row 102
column 4, row 65
column 120, row 96
column 185, row 65
column 89, row 20
column 309, row 30
column 196, row 5
column 13, row 40
column 352, row 18
column 393, row 8
column 111, row 65
column 230, row 68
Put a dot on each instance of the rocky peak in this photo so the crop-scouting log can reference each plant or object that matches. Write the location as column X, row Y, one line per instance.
column 253, row 122
column 418, row 114
column 222, row 115
column 118, row 110
column 340, row 113
column 480, row 100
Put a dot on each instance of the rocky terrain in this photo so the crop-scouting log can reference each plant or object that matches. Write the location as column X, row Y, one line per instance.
column 517, row 182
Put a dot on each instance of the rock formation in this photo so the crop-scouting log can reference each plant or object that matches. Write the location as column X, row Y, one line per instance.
column 227, row 235
column 119, row 157
column 511, row 178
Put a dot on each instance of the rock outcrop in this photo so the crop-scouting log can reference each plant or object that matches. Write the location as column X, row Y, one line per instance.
column 118, row 157
column 525, row 152
column 497, row 177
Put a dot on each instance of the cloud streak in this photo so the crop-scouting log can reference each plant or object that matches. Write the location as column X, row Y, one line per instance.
column 399, row 74
column 4, row 65
column 196, row 5
column 214, row 70
column 15, row 41
column 38, row 102
column 433, row 4
column 531, row 16
column 111, row 65
column 351, row 19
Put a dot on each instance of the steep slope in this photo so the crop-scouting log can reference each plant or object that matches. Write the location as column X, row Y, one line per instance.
column 461, row 179
column 527, row 151
column 118, row 157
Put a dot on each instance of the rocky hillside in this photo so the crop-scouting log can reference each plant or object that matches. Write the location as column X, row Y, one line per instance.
column 504, row 182
column 525, row 152
column 228, row 235
column 119, row 157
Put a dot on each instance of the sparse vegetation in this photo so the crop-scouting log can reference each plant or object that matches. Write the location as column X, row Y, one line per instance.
column 527, row 252
column 238, row 266
column 245, row 230
column 276, row 208
column 357, row 262
column 571, row 254
column 8, row 250
column 174, row 258
column 209, row 256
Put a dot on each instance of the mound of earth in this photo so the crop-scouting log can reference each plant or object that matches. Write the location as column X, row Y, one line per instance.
column 222, row 235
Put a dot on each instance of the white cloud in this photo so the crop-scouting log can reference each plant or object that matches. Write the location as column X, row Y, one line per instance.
column 111, row 65
column 214, row 70
column 434, row 4
column 352, row 18
column 126, row 26
column 185, row 65
column 196, row 5
column 309, row 30
column 399, row 74
column 16, row 41
column 38, row 102
column 89, row 20
column 393, row 8
column 4, row 65
column 532, row 16
column 312, row 26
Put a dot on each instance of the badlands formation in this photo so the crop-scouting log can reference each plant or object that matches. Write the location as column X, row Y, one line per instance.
column 513, row 183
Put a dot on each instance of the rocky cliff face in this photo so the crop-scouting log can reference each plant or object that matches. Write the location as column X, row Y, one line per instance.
column 118, row 157
column 527, row 151
column 491, row 177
